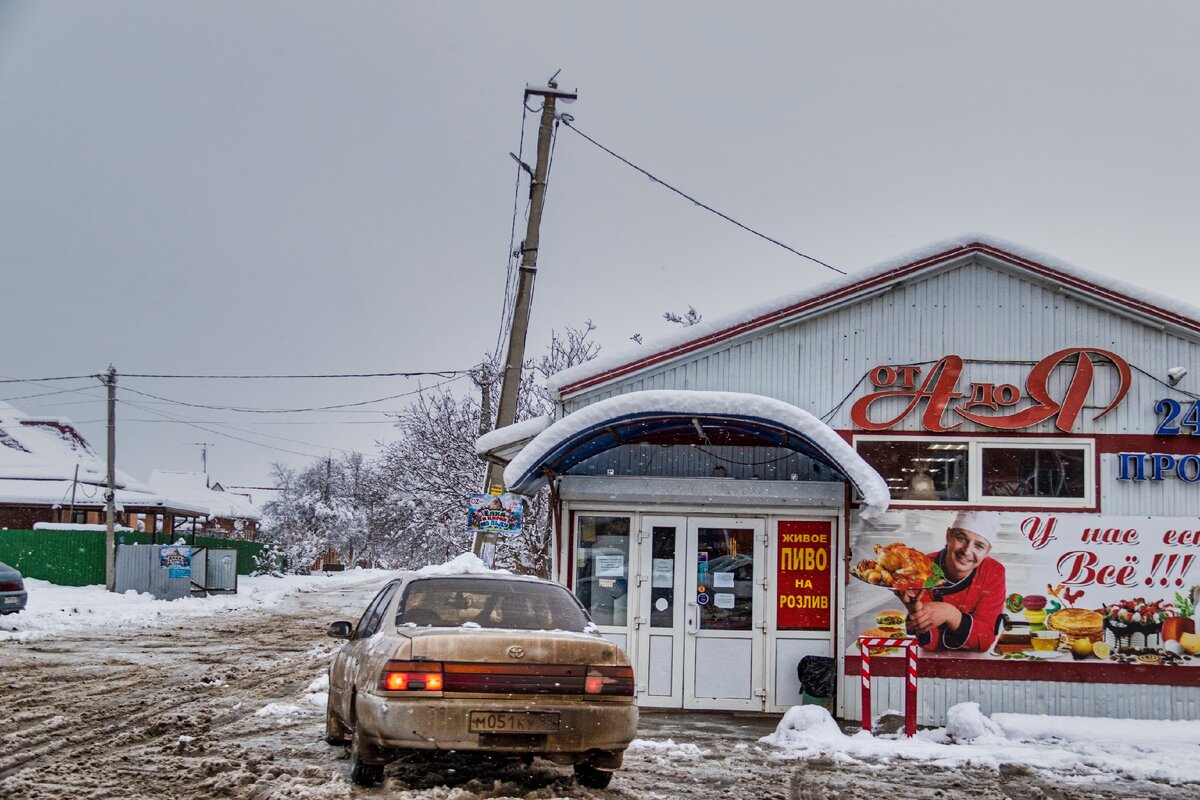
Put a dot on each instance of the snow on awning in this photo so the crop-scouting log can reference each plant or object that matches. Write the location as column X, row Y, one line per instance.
column 503, row 444
column 684, row 417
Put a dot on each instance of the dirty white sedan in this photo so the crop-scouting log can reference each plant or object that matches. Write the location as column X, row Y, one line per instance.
column 492, row 663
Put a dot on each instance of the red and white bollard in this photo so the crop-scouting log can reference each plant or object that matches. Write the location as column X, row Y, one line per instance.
column 909, row 643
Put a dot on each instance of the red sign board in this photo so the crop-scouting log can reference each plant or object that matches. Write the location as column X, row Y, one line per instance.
column 804, row 555
column 939, row 387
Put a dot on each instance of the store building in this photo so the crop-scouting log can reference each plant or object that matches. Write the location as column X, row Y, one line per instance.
column 713, row 491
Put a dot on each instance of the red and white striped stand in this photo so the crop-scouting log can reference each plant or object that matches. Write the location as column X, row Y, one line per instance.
column 865, row 643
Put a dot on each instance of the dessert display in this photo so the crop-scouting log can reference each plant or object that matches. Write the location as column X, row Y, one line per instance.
column 1149, row 656
column 1137, row 617
column 899, row 567
column 1075, row 624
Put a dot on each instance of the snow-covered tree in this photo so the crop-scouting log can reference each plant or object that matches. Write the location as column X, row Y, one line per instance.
column 408, row 507
column 433, row 465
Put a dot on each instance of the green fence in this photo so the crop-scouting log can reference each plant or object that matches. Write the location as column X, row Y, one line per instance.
column 76, row 558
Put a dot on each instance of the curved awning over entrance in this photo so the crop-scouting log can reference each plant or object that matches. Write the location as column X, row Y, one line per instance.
column 683, row 417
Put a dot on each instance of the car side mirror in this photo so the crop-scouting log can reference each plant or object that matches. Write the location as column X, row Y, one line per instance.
column 341, row 630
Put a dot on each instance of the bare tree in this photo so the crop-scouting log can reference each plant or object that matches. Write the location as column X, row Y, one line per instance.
column 692, row 317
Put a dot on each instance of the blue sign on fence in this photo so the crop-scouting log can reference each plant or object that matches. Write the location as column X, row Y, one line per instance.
column 177, row 559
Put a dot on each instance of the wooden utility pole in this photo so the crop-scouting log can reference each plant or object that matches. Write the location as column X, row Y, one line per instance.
column 110, row 494
column 515, row 358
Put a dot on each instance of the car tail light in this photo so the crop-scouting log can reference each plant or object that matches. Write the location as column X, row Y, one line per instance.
column 609, row 681
column 411, row 676
column 12, row 586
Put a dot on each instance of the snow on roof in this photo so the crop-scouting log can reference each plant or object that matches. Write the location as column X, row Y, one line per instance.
column 17, row 491
column 192, row 488
column 50, row 448
column 718, row 329
column 465, row 564
column 872, row 487
column 511, row 434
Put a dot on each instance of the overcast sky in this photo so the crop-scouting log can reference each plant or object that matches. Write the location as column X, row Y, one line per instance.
column 298, row 187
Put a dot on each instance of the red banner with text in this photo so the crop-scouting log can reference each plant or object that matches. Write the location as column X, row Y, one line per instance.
column 804, row 556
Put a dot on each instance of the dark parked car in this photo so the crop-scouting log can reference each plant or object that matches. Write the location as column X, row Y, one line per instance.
column 12, row 590
column 490, row 663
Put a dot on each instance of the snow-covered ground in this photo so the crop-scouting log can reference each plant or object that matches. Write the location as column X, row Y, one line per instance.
column 55, row 611
column 1079, row 749
column 230, row 691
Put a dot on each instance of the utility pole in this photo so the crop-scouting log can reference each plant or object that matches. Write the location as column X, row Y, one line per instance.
column 204, row 457
column 515, row 358
column 110, row 494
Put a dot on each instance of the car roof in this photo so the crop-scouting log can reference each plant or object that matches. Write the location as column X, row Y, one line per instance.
column 409, row 576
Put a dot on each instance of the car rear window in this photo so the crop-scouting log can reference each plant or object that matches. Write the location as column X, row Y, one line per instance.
column 523, row 605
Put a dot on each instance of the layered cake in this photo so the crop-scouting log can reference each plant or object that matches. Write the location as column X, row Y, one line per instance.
column 1137, row 618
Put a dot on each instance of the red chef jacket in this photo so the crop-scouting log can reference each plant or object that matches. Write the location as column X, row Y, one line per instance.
column 980, row 598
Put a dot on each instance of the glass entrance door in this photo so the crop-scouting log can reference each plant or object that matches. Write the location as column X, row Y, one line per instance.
column 659, row 623
column 699, row 626
column 725, row 634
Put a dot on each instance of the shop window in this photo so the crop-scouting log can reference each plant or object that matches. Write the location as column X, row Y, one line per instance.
column 998, row 472
column 1041, row 472
column 602, row 568
column 920, row 470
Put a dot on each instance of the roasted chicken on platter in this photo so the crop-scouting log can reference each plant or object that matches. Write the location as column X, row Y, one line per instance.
column 898, row 566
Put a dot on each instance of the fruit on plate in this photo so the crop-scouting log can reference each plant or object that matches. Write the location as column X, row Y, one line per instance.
column 1190, row 642
column 1081, row 648
column 1101, row 650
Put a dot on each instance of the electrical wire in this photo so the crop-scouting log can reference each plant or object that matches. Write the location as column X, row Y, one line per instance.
column 568, row 120
column 445, row 373
column 6, row 379
column 229, row 435
column 510, row 282
column 247, row 410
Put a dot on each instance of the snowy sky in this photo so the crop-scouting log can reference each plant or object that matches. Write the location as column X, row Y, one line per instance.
column 299, row 187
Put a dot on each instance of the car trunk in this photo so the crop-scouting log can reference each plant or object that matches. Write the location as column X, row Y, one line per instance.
column 503, row 646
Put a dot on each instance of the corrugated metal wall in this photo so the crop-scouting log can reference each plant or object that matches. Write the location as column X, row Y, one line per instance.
column 76, row 558
column 682, row 461
column 976, row 310
column 936, row 695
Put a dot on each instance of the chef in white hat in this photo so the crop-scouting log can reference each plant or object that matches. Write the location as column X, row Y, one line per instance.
column 961, row 613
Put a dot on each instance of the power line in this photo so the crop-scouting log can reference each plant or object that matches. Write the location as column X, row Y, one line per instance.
column 247, row 410
column 445, row 373
column 568, row 120
column 60, row 378
column 231, row 436
column 510, row 283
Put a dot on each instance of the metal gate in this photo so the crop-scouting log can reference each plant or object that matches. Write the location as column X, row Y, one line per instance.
column 169, row 572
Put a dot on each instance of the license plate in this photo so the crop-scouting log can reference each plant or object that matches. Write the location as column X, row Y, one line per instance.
column 513, row 722
column 11, row 601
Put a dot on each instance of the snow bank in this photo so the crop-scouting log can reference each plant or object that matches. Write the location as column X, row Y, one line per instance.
column 1080, row 748
column 55, row 611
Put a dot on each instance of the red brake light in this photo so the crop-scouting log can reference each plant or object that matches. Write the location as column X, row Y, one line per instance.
column 609, row 680
column 411, row 676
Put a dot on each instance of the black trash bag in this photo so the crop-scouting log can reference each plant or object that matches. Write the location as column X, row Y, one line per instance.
column 817, row 675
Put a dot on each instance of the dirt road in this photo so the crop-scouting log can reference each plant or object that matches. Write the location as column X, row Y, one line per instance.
column 221, row 709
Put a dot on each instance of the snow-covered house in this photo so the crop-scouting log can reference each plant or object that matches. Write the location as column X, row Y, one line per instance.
column 226, row 513
column 50, row 474
column 715, row 491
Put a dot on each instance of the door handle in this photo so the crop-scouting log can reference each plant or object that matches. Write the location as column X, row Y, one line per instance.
column 693, row 623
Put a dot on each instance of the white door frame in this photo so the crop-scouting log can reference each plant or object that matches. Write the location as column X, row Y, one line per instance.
column 658, row 648
column 708, row 653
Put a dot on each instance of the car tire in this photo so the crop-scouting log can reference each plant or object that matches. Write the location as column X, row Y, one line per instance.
column 592, row 777
column 335, row 731
column 362, row 772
